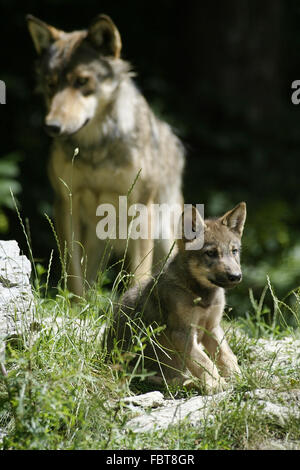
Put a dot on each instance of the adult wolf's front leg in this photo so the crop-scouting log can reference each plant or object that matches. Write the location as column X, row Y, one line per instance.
column 140, row 250
column 68, row 229
column 141, row 256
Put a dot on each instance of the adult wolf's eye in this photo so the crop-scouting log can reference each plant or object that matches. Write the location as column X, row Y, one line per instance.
column 81, row 81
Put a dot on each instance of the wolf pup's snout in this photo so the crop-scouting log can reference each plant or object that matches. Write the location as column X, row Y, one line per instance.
column 234, row 278
column 226, row 280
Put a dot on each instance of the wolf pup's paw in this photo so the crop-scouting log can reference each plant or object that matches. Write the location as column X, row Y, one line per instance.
column 229, row 367
column 214, row 385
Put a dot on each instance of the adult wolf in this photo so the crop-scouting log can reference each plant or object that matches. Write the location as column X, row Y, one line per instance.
column 93, row 105
column 186, row 302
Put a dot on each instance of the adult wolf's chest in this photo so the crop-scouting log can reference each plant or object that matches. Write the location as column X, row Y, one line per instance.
column 94, row 170
column 105, row 177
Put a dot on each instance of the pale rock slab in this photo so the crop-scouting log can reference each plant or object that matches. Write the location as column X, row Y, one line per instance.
column 16, row 297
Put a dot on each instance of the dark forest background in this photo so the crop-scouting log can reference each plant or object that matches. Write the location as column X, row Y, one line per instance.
column 220, row 73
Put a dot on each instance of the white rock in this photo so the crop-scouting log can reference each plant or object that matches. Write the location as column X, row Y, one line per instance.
column 147, row 400
column 278, row 413
column 277, row 444
column 283, row 353
column 265, row 394
column 195, row 409
column 16, row 298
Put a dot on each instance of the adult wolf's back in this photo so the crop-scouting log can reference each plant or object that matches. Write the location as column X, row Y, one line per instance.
column 93, row 104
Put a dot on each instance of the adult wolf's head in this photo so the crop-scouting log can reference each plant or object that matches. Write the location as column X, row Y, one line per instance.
column 217, row 262
column 79, row 72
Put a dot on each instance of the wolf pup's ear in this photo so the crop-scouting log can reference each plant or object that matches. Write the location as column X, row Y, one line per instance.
column 42, row 34
column 235, row 219
column 104, row 35
column 191, row 229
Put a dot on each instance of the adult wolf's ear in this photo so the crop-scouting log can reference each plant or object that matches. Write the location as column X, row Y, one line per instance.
column 104, row 35
column 191, row 229
column 42, row 34
column 235, row 219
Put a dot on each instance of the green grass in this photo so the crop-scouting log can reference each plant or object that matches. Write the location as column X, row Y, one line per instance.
column 58, row 391
column 61, row 393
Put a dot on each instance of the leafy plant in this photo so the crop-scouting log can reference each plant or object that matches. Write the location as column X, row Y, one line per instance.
column 9, row 172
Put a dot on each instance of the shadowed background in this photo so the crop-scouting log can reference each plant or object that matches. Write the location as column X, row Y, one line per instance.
column 220, row 74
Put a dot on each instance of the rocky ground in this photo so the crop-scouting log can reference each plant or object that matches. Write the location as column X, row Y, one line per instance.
column 152, row 411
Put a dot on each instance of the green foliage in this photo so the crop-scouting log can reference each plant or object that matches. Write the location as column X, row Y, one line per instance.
column 52, row 375
column 9, row 173
column 60, row 392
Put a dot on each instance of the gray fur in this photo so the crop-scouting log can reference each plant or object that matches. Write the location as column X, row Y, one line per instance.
column 117, row 135
column 187, row 299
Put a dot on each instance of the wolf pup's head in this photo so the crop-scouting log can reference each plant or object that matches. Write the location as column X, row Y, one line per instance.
column 78, row 72
column 217, row 261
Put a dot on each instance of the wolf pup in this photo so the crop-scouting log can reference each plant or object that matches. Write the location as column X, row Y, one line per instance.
column 187, row 297
column 94, row 106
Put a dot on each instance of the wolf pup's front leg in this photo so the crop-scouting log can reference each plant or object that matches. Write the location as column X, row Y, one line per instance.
column 217, row 346
column 197, row 362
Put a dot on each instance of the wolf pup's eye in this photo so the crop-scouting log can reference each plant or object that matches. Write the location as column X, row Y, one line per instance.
column 81, row 81
column 212, row 253
column 235, row 251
